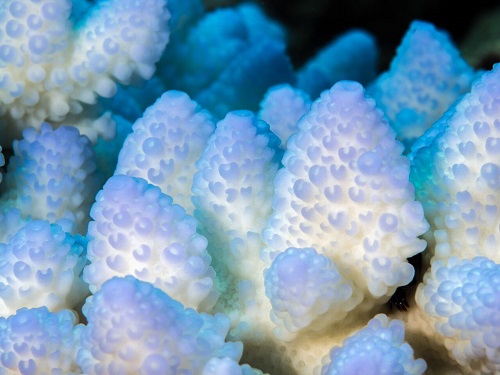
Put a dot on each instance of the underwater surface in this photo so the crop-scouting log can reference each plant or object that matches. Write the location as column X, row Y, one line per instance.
column 245, row 188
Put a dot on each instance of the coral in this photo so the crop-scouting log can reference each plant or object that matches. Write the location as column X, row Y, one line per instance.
column 41, row 266
column 282, row 107
column 232, row 189
column 243, row 55
column 137, row 230
column 425, row 77
column 138, row 329
column 456, row 172
column 224, row 239
column 52, row 176
column 37, row 341
column 52, row 69
column 302, row 286
column 345, row 185
column 166, row 143
column 376, row 349
column 461, row 299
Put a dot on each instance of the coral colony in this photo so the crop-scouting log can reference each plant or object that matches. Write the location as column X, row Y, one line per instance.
column 177, row 198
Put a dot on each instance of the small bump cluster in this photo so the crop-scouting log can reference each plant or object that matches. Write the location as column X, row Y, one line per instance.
column 234, row 180
column 41, row 266
column 53, row 176
column 37, row 341
column 344, row 191
column 233, row 190
column 304, row 286
column 165, row 145
column 137, row 230
column 50, row 70
column 457, row 171
column 282, row 107
column 244, row 53
column 462, row 299
column 135, row 328
column 379, row 348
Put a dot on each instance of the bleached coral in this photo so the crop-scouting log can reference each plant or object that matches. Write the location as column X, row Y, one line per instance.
column 232, row 194
column 282, row 107
column 137, row 230
column 303, row 286
column 50, row 69
column 165, row 144
column 379, row 348
column 52, row 176
column 344, row 221
column 135, row 328
column 456, row 170
column 461, row 298
column 41, row 266
column 37, row 341
column 344, row 191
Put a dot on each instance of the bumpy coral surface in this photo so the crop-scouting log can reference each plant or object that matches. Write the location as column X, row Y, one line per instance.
column 352, row 56
column 37, row 341
column 293, row 244
column 41, row 266
column 345, row 191
column 137, row 230
column 166, row 143
column 52, row 176
column 379, row 348
column 233, row 188
column 456, row 171
column 282, row 107
column 461, row 298
column 50, row 70
column 141, row 330
column 303, row 285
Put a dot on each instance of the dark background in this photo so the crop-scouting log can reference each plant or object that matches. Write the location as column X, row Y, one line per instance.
column 311, row 24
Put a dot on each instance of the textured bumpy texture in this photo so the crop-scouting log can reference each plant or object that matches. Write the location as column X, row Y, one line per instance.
column 137, row 230
column 37, row 341
column 462, row 299
column 165, row 145
column 11, row 221
column 52, row 176
column 379, row 348
column 425, row 77
column 352, row 56
column 344, row 191
column 41, row 266
column 456, row 172
column 228, row 366
column 141, row 330
column 233, row 190
column 303, row 285
column 282, row 107
column 50, row 71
